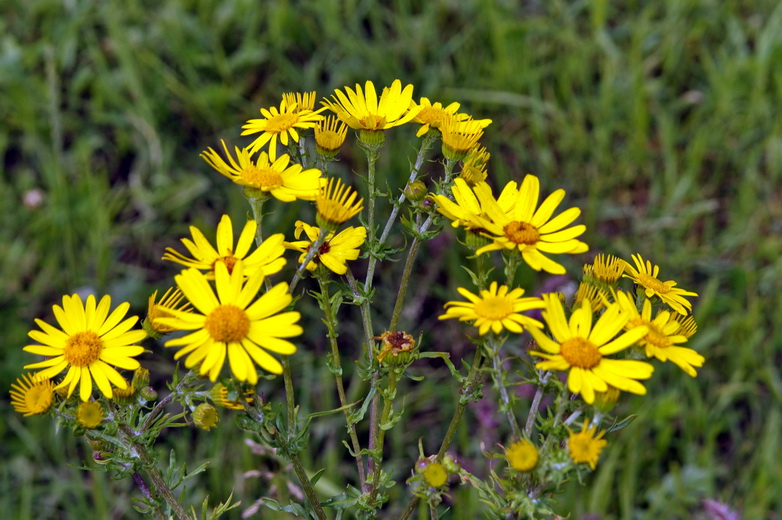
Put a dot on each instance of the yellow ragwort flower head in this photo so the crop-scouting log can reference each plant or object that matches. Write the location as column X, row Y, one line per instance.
column 89, row 414
column 336, row 204
column 581, row 348
column 220, row 396
column 474, row 166
column 90, row 342
column 586, row 445
column 267, row 175
column 335, row 251
column 31, row 395
column 432, row 116
column 522, row 455
column 460, row 137
column 279, row 124
column 663, row 339
column 605, row 270
column 233, row 323
column 466, row 210
column 495, row 309
column 645, row 275
column 597, row 297
column 267, row 258
column 303, row 101
column 530, row 229
column 687, row 325
column 172, row 298
column 361, row 109
column 330, row 135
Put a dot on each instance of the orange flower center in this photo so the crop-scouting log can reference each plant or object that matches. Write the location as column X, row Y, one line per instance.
column 521, row 233
column 650, row 282
column 494, row 308
column 281, row 123
column 227, row 324
column 580, row 352
column 262, row 178
column 228, row 260
column 83, row 348
column 373, row 122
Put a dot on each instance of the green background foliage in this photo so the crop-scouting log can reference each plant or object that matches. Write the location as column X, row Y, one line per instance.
column 662, row 120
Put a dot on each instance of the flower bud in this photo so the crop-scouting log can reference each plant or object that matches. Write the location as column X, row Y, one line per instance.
column 205, row 416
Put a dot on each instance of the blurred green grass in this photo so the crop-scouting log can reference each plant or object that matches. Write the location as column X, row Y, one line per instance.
column 662, row 120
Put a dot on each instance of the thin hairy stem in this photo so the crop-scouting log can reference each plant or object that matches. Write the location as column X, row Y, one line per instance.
column 311, row 252
column 533, row 409
column 499, row 382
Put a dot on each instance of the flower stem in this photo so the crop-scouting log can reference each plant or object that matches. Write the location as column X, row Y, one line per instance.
column 256, row 203
column 380, row 433
column 290, row 398
column 331, row 324
column 311, row 252
column 533, row 409
column 499, row 382
column 301, row 474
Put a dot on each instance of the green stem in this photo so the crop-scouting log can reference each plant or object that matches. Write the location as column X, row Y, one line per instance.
column 380, row 433
column 159, row 485
column 466, row 392
column 499, row 382
column 256, row 203
column 290, row 398
column 533, row 409
column 301, row 474
column 372, row 153
column 331, row 324
column 426, row 144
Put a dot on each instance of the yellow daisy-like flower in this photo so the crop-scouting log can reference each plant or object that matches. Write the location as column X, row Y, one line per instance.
column 495, row 309
column 474, row 166
column 303, row 101
column 604, row 270
column 529, row 228
column 663, row 339
column 336, row 204
column 31, row 395
column 276, row 177
column 687, row 325
column 465, row 209
column 205, row 416
column 335, row 251
column 279, row 124
column 89, row 414
column 432, row 115
column 581, row 348
column 91, row 340
column 155, row 309
column 267, row 258
column 220, row 396
column 644, row 274
column 233, row 323
column 522, row 455
column 330, row 135
column 361, row 109
column 586, row 445
column 460, row 137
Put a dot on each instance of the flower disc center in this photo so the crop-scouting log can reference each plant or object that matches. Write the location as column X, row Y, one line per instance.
column 262, row 177
column 83, row 348
column 521, row 233
column 281, row 123
column 494, row 308
column 580, row 352
column 650, row 282
column 227, row 324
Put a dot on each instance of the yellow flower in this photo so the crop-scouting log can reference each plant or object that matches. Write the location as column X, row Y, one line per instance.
column 663, row 339
column 581, row 348
column 361, row 109
column 522, row 455
column 585, row 446
column 279, row 124
column 303, row 101
column 219, row 394
column 330, row 135
column 276, row 177
column 233, row 323
column 496, row 309
column 465, row 209
column 687, row 325
column 205, row 416
column 530, row 229
column 432, row 115
column 474, row 166
column 604, row 270
column 267, row 258
column 91, row 340
column 172, row 298
column 31, row 395
column 335, row 251
column 460, row 137
column 89, row 414
column 597, row 298
column 645, row 275
column 435, row 474
column 336, row 204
